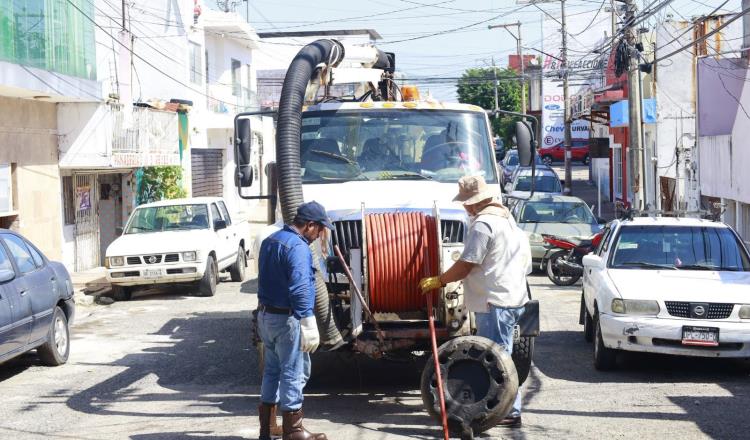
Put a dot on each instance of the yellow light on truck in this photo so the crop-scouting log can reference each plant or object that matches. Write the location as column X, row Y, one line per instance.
column 366, row 104
column 389, row 105
column 410, row 104
column 410, row 93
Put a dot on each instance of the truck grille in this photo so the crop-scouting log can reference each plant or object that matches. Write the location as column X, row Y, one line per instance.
column 134, row 260
column 152, row 259
column 347, row 234
column 681, row 309
column 171, row 258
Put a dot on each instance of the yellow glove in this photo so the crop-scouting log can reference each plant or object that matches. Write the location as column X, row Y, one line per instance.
column 430, row 283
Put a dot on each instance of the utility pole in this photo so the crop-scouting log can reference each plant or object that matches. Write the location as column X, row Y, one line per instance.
column 494, row 73
column 519, row 51
column 568, row 190
column 634, row 108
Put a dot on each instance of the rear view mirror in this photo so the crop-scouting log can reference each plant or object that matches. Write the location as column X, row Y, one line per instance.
column 526, row 144
column 593, row 261
column 243, row 153
column 6, row 275
column 219, row 225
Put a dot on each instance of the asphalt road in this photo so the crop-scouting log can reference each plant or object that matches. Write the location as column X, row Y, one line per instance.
column 174, row 366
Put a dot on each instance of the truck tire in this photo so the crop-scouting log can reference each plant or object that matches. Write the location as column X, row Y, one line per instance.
column 237, row 270
column 479, row 381
column 122, row 293
column 56, row 349
column 523, row 354
column 207, row 284
column 604, row 358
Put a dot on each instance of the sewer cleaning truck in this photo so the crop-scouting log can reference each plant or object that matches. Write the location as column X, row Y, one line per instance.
column 385, row 162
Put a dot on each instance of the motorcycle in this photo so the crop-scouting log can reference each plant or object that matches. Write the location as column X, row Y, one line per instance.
column 564, row 256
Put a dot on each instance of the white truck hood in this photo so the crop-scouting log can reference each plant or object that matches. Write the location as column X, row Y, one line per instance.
column 160, row 242
column 410, row 194
column 683, row 285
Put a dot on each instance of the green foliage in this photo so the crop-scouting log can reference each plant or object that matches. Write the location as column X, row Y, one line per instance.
column 160, row 183
column 476, row 86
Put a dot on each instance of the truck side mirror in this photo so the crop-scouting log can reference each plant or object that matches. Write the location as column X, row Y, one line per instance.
column 219, row 225
column 243, row 153
column 525, row 141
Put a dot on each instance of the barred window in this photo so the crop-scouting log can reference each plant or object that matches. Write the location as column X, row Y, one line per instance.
column 68, row 200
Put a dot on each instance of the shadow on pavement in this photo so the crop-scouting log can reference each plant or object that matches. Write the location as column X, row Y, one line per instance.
column 205, row 366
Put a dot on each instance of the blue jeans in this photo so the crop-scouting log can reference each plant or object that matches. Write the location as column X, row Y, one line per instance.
column 497, row 325
column 286, row 368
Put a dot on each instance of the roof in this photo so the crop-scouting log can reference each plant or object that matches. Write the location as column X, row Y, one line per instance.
column 390, row 105
column 185, row 201
column 229, row 25
column 556, row 198
column 672, row 221
column 327, row 33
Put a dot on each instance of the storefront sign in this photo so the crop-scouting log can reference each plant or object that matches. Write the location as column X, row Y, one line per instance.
column 135, row 160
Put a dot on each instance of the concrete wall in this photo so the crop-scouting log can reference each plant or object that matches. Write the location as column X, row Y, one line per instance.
column 28, row 138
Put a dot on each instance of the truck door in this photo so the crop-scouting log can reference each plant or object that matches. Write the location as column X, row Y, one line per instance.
column 233, row 240
column 222, row 238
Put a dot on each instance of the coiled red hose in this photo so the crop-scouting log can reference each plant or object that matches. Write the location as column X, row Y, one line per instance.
column 402, row 248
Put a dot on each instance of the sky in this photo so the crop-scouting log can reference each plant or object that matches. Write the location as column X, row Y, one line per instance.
column 443, row 38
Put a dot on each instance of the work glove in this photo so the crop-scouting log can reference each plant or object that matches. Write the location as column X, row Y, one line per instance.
column 309, row 338
column 430, row 283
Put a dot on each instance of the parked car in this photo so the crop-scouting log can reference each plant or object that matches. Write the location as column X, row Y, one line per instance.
column 499, row 149
column 579, row 150
column 667, row 285
column 545, row 181
column 559, row 215
column 176, row 242
column 36, row 302
column 510, row 163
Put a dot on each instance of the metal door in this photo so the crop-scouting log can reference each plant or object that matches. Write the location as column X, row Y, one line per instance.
column 87, row 221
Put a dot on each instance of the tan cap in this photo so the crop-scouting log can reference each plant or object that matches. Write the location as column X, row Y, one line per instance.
column 473, row 189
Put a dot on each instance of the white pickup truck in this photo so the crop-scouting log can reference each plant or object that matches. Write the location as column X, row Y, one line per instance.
column 176, row 242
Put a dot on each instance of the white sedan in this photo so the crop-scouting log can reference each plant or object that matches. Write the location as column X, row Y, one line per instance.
column 667, row 285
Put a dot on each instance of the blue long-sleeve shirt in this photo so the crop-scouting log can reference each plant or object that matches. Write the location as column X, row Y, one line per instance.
column 286, row 276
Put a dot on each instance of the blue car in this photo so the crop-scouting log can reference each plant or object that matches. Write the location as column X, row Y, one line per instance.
column 36, row 302
column 509, row 165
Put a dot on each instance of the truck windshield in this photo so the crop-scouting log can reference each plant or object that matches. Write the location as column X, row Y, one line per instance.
column 395, row 144
column 168, row 218
column 679, row 247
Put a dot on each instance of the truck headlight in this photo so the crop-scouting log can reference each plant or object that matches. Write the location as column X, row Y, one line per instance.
column 189, row 256
column 745, row 312
column 635, row 307
column 116, row 261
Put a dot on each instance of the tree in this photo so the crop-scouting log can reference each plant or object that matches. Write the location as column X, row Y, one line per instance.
column 476, row 86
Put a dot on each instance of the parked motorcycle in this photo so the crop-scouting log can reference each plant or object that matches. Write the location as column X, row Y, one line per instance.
column 563, row 259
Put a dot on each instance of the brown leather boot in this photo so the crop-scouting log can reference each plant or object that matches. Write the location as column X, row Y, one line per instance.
column 293, row 429
column 268, row 426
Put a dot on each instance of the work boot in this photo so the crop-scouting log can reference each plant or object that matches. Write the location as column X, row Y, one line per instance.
column 268, row 427
column 293, row 429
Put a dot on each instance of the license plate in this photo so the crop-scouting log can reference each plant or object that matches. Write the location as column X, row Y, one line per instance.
column 701, row 336
column 516, row 333
column 151, row 273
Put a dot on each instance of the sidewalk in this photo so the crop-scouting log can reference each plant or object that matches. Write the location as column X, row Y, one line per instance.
column 89, row 284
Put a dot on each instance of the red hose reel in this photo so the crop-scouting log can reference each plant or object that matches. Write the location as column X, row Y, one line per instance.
column 402, row 248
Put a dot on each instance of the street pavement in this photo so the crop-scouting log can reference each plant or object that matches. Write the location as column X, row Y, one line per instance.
column 171, row 365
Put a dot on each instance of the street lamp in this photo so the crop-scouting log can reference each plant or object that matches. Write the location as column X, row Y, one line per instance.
column 519, row 49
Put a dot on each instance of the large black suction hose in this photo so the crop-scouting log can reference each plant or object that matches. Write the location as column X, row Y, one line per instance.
column 288, row 135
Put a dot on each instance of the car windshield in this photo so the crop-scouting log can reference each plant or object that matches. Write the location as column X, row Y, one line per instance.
column 679, row 247
column 168, row 218
column 556, row 212
column 549, row 184
column 395, row 144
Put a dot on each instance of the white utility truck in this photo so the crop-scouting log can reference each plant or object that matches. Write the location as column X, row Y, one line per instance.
column 181, row 241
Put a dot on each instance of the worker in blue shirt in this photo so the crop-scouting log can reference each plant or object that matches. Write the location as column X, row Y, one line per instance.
column 286, row 324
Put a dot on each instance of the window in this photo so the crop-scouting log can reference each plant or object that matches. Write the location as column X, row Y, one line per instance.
column 605, row 239
column 225, row 213
column 215, row 213
column 20, row 252
column 6, row 188
column 236, row 79
column 68, row 200
column 5, row 263
column 38, row 259
column 166, row 218
column 196, row 76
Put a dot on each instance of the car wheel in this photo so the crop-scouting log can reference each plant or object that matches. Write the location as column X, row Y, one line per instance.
column 604, row 358
column 207, row 284
column 479, row 381
column 586, row 159
column 122, row 293
column 55, row 351
column 555, row 274
column 547, row 159
column 237, row 271
column 523, row 355
column 587, row 321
